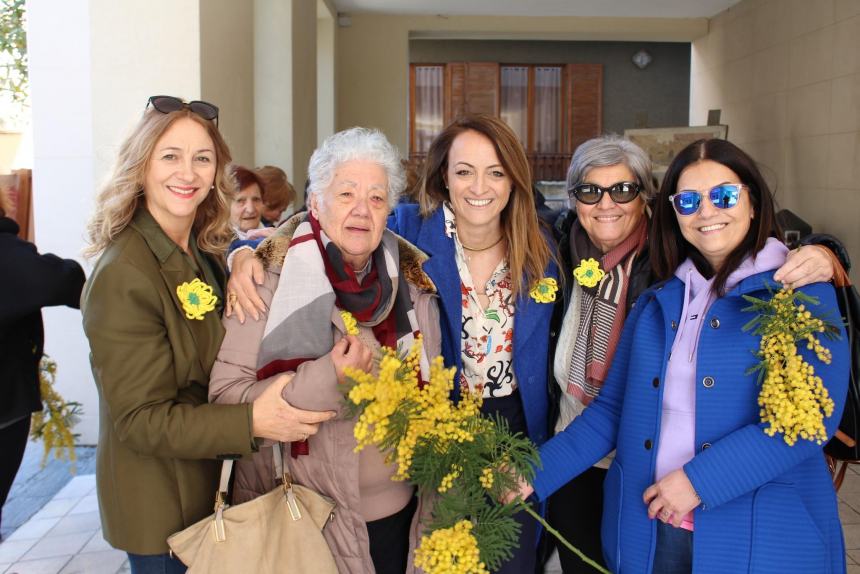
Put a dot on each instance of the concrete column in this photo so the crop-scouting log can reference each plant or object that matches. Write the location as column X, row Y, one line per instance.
column 285, row 85
column 273, row 84
column 326, row 24
column 93, row 64
column 227, row 71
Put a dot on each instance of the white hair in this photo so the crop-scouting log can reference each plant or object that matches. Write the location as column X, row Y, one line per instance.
column 355, row 144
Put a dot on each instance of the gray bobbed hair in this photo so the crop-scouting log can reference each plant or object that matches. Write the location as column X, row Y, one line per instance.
column 355, row 144
column 610, row 150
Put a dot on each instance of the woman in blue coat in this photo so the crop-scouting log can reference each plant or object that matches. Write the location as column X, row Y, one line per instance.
column 697, row 485
column 487, row 256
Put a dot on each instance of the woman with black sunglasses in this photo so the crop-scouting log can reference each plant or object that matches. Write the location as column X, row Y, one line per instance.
column 680, row 403
column 152, row 313
column 603, row 244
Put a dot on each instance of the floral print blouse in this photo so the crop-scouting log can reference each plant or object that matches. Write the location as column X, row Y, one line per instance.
column 487, row 335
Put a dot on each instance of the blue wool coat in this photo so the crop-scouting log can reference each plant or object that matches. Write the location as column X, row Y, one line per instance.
column 531, row 322
column 766, row 506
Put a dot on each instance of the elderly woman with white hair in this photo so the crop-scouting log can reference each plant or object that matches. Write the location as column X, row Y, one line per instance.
column 603, row 250
column 338, row 256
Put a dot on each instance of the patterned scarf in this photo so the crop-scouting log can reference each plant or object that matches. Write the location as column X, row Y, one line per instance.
column 314, row 280
column 602, row 310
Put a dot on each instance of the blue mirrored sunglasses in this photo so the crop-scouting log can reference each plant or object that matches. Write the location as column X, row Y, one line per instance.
column 689, row 202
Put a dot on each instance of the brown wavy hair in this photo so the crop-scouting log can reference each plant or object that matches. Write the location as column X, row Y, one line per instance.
column 120, row 197
column 528, row 251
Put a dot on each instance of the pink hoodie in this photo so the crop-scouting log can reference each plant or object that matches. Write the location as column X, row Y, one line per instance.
column 678, row 422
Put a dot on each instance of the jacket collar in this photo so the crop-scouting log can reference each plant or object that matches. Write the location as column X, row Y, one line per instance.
column 159, row 243
column 754, row 283
column 272, row 251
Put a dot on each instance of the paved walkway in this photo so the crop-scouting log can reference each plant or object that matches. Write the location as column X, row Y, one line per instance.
column 64, row 537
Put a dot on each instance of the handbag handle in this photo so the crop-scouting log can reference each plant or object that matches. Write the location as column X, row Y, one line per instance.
column 224, row 486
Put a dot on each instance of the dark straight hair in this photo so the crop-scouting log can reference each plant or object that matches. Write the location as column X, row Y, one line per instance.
column 668, row 246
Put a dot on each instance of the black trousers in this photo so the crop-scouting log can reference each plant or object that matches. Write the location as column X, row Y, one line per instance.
column 13, row 441
column 575, row 510
column 389, row 540
column 525, row 557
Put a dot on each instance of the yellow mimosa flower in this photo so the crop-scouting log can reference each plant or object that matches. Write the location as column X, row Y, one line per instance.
column 197, row 298
column 544, row 290
column 588, row 273
column 349, row 323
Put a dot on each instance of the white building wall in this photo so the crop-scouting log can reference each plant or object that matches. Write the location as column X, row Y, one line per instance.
column 93, row 64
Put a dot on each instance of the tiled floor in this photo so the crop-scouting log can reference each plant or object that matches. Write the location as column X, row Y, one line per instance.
column 64, row 537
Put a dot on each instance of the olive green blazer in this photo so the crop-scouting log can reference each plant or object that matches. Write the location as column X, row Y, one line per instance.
column 159, row 438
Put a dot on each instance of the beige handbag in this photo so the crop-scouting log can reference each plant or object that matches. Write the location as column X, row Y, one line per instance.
column 279, row 532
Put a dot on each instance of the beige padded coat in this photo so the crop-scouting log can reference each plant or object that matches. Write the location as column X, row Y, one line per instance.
column 332, row 467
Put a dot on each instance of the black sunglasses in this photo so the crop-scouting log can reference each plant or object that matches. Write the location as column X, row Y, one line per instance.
column 591, row 193
column 167, row 104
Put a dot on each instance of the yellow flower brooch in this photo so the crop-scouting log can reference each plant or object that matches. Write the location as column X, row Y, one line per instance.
column 197, row 299
column 588, row 273
column 544, row 290
column 349, row 323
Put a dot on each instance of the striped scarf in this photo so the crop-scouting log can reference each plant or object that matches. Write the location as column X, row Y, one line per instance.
column 602, row 310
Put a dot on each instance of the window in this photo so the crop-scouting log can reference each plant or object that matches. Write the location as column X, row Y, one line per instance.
column 428, row 100
column 551, row 108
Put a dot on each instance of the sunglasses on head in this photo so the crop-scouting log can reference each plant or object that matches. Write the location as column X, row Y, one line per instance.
column 689, row 201
column 591, row 193
column 167, row 104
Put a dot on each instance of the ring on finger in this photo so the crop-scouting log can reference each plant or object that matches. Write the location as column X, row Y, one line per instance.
column 231, row 298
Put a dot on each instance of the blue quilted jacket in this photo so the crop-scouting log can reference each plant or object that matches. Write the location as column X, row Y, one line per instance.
column 766, row 506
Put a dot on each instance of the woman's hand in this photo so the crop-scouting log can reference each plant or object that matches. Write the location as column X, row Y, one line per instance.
column 523, row 490
column 671, row 498
column 242, row 294
column 276, row 419
column 350, row 352
column 804, row 265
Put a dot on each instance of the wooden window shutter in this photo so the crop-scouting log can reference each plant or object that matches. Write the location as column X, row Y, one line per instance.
column 583, row 103
column 471, row 87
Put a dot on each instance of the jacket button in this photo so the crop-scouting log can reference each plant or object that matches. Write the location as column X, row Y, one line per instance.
column 715, row 323
column 656, row 382
column 647, row 444
column 674, row 325
column 706, row 445
column 708, row 382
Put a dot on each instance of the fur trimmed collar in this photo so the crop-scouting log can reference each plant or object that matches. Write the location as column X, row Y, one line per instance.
column 272, row 250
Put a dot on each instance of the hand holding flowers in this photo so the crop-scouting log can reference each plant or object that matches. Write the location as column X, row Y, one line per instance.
column 459, row 459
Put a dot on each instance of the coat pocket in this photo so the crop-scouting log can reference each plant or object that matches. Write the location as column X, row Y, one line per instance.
column 610, row 529
column 785, row 538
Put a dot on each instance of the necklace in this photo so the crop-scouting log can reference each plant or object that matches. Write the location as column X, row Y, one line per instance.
column 478, row 250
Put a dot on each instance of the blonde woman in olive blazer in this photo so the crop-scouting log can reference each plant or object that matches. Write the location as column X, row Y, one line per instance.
column 161, row 224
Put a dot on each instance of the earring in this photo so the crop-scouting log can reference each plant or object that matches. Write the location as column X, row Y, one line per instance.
column 213, row 187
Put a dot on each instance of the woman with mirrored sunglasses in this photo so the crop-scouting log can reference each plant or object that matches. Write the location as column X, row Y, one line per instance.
column 604, row 251
column 152, row 314
column 679, row 405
